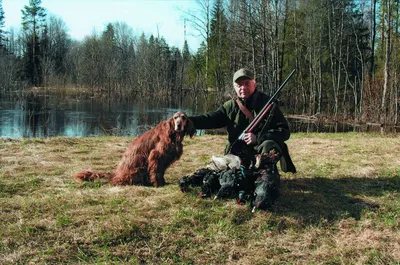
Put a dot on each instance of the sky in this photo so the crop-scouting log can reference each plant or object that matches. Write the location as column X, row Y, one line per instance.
column 83, row 17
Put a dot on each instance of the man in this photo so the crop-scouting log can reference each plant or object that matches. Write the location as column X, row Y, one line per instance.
column 266, row 142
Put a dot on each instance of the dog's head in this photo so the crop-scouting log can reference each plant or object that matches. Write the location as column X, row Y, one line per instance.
column 182, row 123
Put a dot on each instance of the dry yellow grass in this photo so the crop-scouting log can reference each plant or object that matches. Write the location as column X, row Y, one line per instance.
column 342, row 207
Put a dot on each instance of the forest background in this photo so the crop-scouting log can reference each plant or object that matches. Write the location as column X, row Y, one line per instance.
column 345, row 52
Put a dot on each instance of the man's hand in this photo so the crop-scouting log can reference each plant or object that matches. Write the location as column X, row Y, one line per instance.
column 249, row 138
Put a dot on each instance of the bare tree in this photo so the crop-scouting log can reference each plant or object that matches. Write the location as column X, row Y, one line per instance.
column 387, row 35
column 199, row 18
column 373, row 37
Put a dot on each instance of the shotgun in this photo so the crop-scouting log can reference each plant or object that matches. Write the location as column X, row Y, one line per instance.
column 265, row 110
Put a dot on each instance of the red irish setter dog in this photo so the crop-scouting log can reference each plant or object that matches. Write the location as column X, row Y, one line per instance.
column 148, row 157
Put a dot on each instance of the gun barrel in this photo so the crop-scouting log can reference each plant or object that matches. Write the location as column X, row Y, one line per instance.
column 265, row 109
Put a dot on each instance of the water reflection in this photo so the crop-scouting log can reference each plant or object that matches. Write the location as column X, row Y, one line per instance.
column 47, row 116
column 37, row 116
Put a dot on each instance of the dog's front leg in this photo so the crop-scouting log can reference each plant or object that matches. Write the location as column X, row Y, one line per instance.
column 156, row 169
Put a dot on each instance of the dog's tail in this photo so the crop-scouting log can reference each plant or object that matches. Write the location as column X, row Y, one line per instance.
column 91, row 176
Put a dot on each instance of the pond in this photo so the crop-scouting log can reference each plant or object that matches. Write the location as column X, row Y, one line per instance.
column 48, row 116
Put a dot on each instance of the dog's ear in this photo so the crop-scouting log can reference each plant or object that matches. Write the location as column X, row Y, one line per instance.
column 189, row 128
column 170, row 125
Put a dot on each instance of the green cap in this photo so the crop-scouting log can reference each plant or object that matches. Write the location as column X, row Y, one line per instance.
column 243, row 74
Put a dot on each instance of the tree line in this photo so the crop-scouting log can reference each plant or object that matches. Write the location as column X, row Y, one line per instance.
column 345, row 53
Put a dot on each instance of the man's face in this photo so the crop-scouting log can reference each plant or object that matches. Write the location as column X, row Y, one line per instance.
column 244, row 88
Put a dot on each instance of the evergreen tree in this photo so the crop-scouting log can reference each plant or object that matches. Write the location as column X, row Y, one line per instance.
column 33, row 18
column 218, row 48
column 186, row 59
column 109, row 65
column 2, row 32
column 143, row 71
column 197, row 69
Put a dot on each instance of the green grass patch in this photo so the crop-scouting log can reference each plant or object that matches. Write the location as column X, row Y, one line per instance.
column 341, row 207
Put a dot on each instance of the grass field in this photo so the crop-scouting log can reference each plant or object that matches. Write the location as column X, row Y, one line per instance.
column 342, row 207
